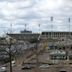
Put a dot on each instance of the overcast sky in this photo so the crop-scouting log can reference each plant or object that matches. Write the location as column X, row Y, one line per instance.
column 35, row 12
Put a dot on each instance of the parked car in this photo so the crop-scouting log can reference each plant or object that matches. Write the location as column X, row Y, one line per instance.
column 44, row 66
column 27, row 67
column 13, row 63
column 3, row 69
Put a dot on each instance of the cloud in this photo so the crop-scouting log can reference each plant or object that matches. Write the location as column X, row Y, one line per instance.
column 34, row 12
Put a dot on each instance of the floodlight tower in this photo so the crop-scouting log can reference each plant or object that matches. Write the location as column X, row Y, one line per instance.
column 69, row 20
column 51, row 24
column 51, row 19
column 11, row 28
column 39, row 27
column 25, row 26
column 69, row 37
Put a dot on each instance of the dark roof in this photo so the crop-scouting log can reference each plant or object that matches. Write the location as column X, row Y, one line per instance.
column 55, row 32
column 25, row 31
column 24, row 36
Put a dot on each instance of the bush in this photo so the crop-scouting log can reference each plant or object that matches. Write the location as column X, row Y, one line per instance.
column 33, row 41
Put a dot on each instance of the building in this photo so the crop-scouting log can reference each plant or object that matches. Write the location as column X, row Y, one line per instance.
column 56, row 49
column 26, row 32
column 56, row 35
column 24, row 35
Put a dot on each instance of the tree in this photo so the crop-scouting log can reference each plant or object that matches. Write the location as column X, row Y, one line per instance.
column 12, row 49
column 33, row 40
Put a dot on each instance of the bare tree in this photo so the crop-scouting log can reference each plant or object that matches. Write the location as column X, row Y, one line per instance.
column 12, row 48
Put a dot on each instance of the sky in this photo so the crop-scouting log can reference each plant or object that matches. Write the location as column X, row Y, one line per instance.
column 14, row 14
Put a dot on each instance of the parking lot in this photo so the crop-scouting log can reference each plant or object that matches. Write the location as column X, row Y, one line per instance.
column 42, row 68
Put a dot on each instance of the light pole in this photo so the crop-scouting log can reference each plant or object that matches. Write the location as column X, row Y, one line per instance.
column 69, row 37
column 25, row 26
column 37, row 61
column 69, row 20
column 51, row 23
column 39, row 27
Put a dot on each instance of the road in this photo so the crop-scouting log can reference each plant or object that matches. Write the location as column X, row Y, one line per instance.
column 52, row 68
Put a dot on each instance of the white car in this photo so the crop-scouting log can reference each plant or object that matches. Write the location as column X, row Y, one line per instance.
column 3, row 69
column 13, row 63
column 44, row 66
